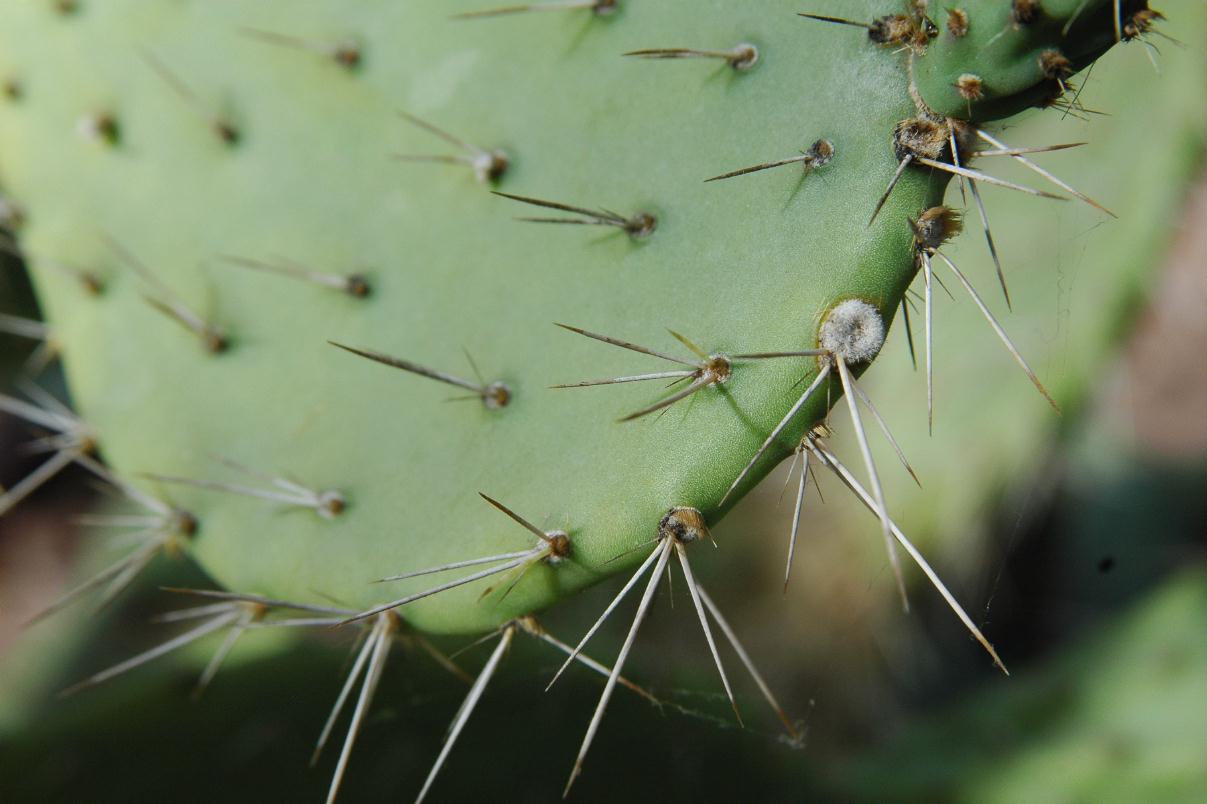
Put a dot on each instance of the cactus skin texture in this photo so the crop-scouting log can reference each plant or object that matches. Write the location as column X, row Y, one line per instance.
column 277, row 150
column 182, row 134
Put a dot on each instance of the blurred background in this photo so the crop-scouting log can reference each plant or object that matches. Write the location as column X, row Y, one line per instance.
column 1078, row 542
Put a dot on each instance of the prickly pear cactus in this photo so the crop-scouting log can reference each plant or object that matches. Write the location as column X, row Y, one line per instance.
column 303, row 262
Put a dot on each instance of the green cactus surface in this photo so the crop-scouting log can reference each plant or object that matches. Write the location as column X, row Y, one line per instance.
column 192, row 139
column 181, row 136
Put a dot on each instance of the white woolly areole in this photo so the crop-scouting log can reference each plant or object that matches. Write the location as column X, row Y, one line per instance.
column 853, row 330
column 553, row 559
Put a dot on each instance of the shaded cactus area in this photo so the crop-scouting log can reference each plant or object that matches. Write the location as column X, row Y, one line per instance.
column 676, row 400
